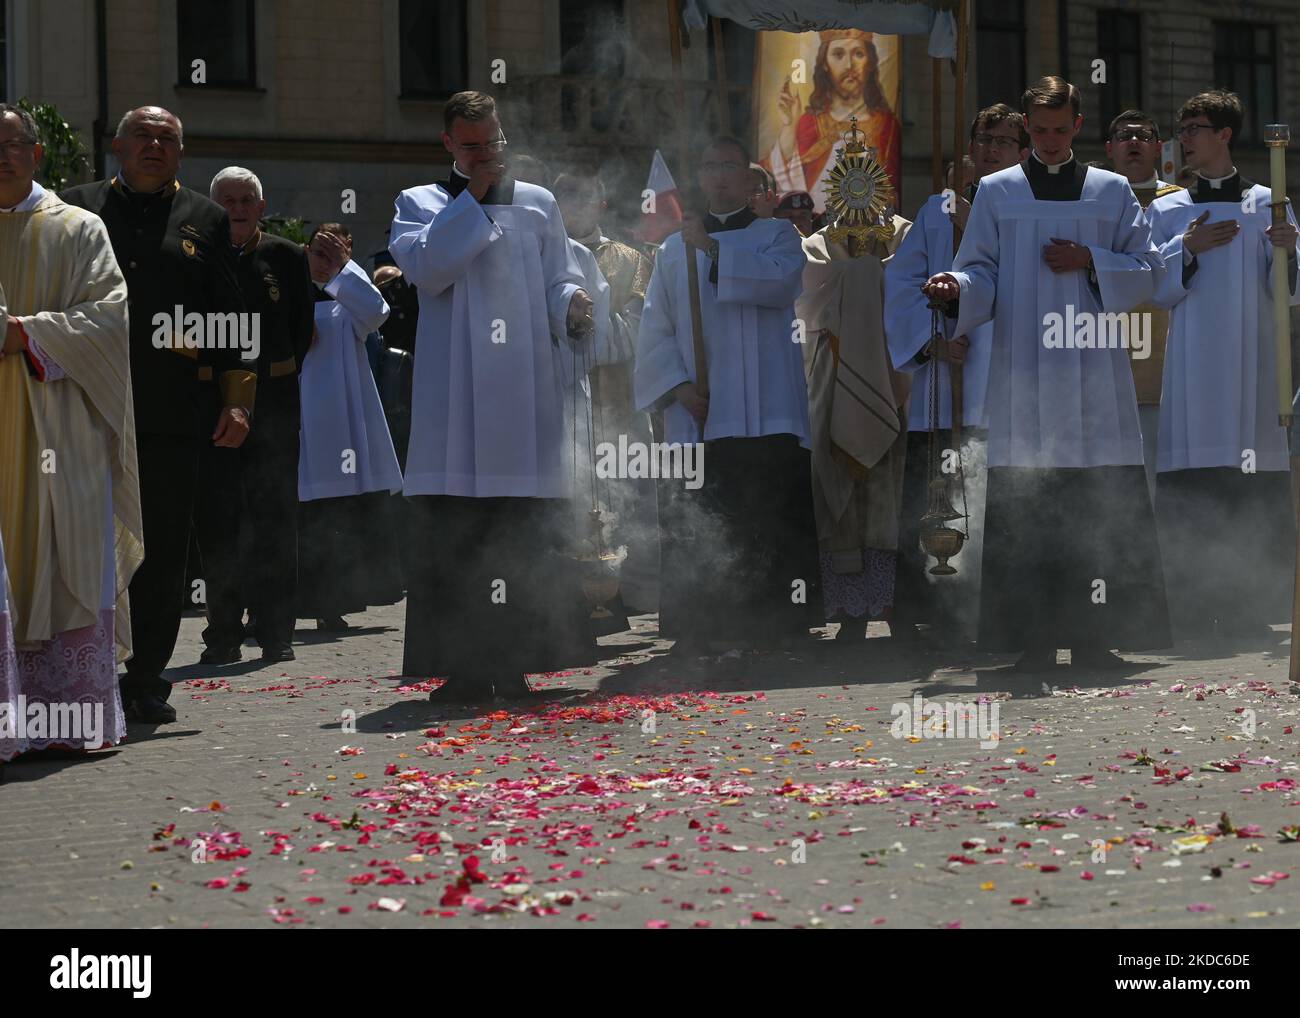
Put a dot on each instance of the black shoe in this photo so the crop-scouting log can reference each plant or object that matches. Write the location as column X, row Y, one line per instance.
column 514, row 688
column 221, row 654
column 333, row 624
column 852, row 629
column 1103, row 660
column 462, row 693
column 149, row 709
column 1036, row 661
column 274, row 652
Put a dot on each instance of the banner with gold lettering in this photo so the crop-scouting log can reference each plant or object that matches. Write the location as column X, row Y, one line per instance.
column 808, row 85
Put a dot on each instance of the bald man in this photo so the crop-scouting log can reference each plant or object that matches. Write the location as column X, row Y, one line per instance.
column 193, row 390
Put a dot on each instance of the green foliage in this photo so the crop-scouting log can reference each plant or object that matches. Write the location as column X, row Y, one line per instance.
column 291, row 228
column 65, row 160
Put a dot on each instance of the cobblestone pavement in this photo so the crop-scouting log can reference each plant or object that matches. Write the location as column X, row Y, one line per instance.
column 766, row 790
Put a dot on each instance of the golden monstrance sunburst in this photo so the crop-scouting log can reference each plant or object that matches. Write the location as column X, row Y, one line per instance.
column 858, row 191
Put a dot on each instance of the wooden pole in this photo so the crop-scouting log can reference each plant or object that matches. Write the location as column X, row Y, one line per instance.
column 683, row 167
column 936, row 123
column 720, row 73
column 958, row 137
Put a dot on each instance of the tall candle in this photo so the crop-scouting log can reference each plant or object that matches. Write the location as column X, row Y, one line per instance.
column 1276, row 137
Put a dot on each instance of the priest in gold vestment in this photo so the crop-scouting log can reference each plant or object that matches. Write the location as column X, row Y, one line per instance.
column 70, row 532
column 856, row 404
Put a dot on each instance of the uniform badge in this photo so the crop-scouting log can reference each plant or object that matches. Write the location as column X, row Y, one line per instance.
column 188, row 247
column 273, row 292
column 191, row 229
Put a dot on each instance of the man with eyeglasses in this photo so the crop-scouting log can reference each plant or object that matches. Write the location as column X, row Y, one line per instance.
column 491, row 593
column 1070, row 556
column 173, row 245
column 1133, row 146
column 997, row 141
column 739, row 554
column 1223, row 489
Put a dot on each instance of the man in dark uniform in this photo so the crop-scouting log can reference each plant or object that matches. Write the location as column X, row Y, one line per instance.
column 190, row 386
column 276, row 283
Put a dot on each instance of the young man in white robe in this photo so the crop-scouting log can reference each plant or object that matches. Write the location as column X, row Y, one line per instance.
column 493, row 593
column 1070, row 556
column 1223, row 488
column 71, row 535
column 1133, row 145
column 997, row 142
column 347, row 467
column 739, row 554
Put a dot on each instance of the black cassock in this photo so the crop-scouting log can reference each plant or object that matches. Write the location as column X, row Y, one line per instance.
column 174, row 248
column 250, row 546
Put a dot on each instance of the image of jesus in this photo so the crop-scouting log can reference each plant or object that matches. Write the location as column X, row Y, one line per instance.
column 846, row 83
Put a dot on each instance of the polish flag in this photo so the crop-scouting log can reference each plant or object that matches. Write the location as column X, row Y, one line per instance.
column 661, row 206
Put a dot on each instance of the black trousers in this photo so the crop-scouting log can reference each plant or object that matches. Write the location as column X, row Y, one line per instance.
column 218, row 510
column 168, row 474
column 269, row 549
column 491, row 589
column 247, row 522
column 1050, row 536
column 739, row 555
column 1228, row 541
column 348, row 555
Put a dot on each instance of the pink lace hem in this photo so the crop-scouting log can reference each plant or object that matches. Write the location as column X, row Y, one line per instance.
column 76, row 667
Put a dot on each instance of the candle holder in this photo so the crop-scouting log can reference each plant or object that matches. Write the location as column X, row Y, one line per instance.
column 1276, row 138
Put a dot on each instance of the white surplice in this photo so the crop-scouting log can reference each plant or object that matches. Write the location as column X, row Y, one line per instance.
column 755, row 363
column 1055, row 407
column 495, row 283
column 926, row 250
column 1218, row 396
column 341, row 411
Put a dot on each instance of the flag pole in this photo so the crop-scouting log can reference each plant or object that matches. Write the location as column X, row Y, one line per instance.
column 683, row 136
column 958, row 135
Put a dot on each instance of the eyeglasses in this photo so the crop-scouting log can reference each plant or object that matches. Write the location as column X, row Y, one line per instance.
column 998, row 140
column 1189, row 130
column 1134, row 134
column 491, row 146
column 727, row 167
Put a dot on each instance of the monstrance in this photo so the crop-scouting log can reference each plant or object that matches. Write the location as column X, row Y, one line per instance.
column 857, row 193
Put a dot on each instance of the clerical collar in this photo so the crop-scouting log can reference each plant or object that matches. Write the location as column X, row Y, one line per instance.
column 33, row 199
column 1216, row 182
column 722, row 217
column 735, row 220
column 1063, row 182
column 1056, row 168
column 457, row 170
column 592, row 239
column 1147, row 185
